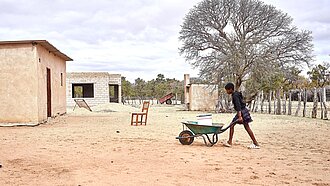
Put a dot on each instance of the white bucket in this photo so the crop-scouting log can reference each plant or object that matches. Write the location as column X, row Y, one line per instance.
column 204, row 119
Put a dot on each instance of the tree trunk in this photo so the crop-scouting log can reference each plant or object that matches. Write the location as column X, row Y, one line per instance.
column 305, row 102
column 314, row 111
column 220, row 105
column 238, row 82
column 270, row 102
column 290, row 103
column 278, row 106
column 299, row 103
column 227, row 102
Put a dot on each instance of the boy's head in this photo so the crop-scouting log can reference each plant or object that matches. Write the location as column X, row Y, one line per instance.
column 230, row 88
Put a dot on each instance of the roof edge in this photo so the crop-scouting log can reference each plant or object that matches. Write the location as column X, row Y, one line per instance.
column 43, row 43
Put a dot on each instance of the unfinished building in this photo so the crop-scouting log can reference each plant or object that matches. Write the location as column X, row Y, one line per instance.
column 199, row 97
column 94, row 87
column 32, row 79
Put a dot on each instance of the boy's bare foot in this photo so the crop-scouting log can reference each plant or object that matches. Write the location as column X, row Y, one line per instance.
column 226, row 144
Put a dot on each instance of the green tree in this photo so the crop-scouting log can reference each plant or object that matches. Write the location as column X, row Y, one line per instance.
column 126, row 87
column 139, row 87
column 320, row 75
column 160, row 78
column 155, row 88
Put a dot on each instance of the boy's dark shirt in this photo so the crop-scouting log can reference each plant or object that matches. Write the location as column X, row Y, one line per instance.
column 237, row 98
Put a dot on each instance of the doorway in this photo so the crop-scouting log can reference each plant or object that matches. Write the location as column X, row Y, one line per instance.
column 114, row 93
column 49, row 94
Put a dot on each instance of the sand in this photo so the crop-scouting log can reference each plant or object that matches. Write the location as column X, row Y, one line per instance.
column 101, row 148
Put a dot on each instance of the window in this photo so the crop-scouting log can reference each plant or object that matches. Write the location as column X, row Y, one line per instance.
column 61, row 79
column 83, row 90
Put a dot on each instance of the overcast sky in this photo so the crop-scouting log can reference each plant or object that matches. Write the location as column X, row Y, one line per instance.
column 135, row 38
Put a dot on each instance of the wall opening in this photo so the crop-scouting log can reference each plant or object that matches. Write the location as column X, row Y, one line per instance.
column 61, row 79
column 114, row 93
column 49, row 94
column 83, row 90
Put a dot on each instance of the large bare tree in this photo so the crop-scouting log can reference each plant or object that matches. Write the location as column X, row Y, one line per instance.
column 238, row 39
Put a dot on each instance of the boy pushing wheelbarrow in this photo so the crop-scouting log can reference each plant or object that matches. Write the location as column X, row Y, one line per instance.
column 242, row 117
column 186, row 137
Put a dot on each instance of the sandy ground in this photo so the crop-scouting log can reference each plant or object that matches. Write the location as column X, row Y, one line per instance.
column 101, row 148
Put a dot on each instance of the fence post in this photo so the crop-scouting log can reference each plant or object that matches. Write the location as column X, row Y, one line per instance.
column 278, row 106
column 314, row 111
column 284, row 103
column 270, row 102
column 299, row 103
column 220, row 105
column 290, row 103
column 176, row 98
column 324, row 100
column 321, row 101
column 274, row 95
column 305, row 102
column 262, row 102
column 257, row 102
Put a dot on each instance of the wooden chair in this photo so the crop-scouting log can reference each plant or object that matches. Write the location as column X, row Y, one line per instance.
column 141, row 117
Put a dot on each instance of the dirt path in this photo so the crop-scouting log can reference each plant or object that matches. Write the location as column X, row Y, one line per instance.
column 103, row 149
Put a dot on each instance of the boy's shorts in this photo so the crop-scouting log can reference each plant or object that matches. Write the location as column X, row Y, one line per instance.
column 245, row 115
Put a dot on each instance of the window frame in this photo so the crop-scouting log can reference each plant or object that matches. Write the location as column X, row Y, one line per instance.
column 86, row 92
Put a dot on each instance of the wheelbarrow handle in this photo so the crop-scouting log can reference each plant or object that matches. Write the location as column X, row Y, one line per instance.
column 231, row 124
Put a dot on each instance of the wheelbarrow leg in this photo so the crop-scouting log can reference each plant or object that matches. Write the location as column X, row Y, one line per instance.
column 205, row 140
column 211, row 142
column 214, row 140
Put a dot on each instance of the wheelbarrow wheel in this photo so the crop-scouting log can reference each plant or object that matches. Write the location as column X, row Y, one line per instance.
column 186, row 137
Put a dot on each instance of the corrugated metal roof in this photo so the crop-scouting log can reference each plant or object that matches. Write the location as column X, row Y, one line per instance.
column 43, row 43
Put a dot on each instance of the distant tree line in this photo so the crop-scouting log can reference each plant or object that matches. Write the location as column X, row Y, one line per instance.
column 318, row 76
column 153, row 89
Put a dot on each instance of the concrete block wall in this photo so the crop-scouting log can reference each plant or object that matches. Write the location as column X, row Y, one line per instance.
column 100, row 80
column 115, row 79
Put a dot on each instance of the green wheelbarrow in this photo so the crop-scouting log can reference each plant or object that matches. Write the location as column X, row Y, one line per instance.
column 186, row 137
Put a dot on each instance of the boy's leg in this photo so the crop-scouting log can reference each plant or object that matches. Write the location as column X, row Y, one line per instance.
column 249, row 131
column 231, row 134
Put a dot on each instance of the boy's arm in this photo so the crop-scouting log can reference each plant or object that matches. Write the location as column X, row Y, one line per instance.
column 239, row 114
column 237, row 106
